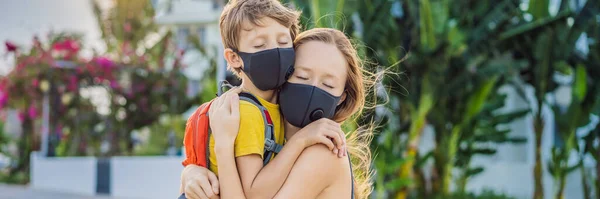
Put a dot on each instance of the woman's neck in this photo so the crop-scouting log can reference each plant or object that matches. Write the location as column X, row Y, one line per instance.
column 268, row 95
column 290, row 130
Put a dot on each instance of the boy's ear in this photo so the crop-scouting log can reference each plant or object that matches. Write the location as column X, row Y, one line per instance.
column 233, row 59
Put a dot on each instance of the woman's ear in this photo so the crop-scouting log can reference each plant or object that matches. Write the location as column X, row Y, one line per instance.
column 342, row 98
column 233, row 60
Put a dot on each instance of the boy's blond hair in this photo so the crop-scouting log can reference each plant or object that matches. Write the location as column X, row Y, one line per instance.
column 238, row 11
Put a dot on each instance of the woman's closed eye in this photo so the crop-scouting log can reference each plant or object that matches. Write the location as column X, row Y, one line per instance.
column 302, row 77
column 259, row 46
column 328, row 86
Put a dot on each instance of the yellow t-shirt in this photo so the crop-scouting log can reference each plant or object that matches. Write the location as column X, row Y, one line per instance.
column 251, row 136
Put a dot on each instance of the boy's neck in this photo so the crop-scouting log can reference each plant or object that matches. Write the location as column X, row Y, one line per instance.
column 290, row 130
column 268, row 95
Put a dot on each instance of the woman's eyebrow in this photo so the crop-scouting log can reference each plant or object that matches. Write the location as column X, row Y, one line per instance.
column 302, row 68
column 330, row 75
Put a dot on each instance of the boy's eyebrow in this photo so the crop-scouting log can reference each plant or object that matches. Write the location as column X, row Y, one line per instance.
column 283, row 34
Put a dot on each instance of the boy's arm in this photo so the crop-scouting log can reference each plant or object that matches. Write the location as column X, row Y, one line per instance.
column 228, row 173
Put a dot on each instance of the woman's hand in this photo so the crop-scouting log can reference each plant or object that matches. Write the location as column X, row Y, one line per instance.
column 224, row 114
column 323, row 131
column 199, row 183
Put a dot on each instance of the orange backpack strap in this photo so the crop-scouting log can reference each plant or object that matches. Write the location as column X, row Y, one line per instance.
column 196, row 136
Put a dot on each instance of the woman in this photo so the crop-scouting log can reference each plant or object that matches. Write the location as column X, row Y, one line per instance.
column 327, row 65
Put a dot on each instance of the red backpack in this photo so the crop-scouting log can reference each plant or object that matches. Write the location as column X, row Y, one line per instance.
column 197, row 134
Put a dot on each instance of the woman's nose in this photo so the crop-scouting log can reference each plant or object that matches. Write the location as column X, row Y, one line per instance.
column 272, row 45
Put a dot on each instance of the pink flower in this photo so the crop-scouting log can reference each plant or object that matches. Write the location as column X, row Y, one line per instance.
column 35, row 83
column 114, row 84
column 32, row 112
column 67, row 48
column 104, row 62
column 3, row 99
column 68, row 45
column 72, row 86
column 10, row 47
column 21, row 116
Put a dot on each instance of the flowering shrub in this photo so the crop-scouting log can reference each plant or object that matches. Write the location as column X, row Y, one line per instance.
column 137, row 94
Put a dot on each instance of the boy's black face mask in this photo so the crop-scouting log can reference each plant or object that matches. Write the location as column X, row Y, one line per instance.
column 269, row 69
column 302, row 104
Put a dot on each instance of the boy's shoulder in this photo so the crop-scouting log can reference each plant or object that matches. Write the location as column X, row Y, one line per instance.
column 249, row 111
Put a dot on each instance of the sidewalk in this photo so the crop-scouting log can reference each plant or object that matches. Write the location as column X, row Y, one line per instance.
column 24, row 192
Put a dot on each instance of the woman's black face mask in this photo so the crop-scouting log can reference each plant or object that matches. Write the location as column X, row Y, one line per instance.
column 302, row 104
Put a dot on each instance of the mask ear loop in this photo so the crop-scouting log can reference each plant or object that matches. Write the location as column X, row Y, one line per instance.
column 222, row 84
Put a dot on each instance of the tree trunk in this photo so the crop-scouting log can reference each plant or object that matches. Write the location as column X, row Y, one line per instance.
column 537, row 169
column 561, row 186
column 452, row 148
column 584, row 180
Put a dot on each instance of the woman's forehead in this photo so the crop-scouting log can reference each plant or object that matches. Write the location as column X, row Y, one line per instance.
column 321, row 57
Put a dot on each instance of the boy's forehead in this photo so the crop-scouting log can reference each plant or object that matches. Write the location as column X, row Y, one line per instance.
column 248, row 25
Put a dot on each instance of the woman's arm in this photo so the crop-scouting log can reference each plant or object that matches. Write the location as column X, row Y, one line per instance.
column 198, row 182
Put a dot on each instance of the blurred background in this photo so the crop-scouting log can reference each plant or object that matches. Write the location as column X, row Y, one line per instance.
column 482, row 99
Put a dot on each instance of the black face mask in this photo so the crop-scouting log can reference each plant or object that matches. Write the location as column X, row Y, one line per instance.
column 302, row 104
column 269, row 69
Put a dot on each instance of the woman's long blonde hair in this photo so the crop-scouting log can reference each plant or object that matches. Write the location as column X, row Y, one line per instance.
column 356, row 87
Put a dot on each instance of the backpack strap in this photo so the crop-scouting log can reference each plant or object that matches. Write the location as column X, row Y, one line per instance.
column 204, row 110
column 351, row 175
column 271, row 147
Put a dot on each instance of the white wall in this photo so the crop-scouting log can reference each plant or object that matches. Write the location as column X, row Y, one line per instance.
column 64, row 174
column 145, row 177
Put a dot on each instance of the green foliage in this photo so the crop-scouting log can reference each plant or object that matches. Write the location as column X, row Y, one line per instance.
column 458, row 56
column 159, row 136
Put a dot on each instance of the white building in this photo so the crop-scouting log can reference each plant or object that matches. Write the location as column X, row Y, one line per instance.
column 198, row 18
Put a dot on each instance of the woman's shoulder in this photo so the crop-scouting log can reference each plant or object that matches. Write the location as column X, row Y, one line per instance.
column 324, row 158
column 335, row 172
